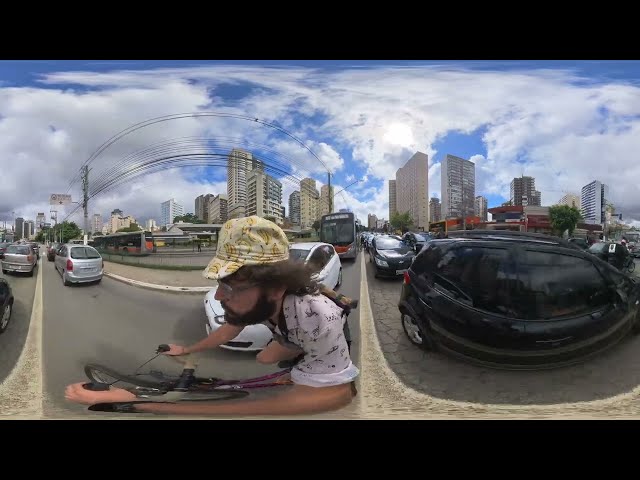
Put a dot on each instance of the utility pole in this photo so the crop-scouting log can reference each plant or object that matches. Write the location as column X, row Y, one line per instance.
column 85, row 200
column 329, row 193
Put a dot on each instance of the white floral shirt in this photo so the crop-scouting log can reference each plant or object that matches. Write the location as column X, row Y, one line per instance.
column 315, row 324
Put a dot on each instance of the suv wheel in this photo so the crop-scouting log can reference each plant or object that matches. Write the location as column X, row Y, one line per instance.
column 415, row 333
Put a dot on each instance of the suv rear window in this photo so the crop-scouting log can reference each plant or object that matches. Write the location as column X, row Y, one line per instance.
column 85, row 253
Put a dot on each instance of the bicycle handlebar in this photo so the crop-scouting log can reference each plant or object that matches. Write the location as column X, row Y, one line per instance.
column 163, row 348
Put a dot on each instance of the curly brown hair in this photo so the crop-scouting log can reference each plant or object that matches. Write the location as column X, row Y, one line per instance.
column 292, row 274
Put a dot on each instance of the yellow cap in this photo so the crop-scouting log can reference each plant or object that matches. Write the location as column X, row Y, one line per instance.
column 247, row 241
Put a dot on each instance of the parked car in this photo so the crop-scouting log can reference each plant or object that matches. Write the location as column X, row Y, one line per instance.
column 416, row 240
column 325, row 261
column 19, row 258
column 3, row 247
column 611, row 252
column 516, row 300
column 6, row 303
column 78, row 264
column 51, row 251
column 391, row 256
column 36, row 249
column 581, row 242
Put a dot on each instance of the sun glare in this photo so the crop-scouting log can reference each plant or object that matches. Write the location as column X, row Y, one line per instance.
column 399, row 134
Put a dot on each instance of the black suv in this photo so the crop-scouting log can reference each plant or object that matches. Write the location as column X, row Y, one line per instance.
column 6, row 304
column 516, row 300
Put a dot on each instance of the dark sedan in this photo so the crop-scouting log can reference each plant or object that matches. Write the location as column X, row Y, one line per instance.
column 390, row 256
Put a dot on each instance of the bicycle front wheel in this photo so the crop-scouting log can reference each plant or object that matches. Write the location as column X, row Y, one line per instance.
column 101, row 374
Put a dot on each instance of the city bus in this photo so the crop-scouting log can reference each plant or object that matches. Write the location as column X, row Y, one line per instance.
column 339, row 229
column 126, row 243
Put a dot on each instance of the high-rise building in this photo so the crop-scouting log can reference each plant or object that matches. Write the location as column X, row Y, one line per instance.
column 435, row 210
column 239, row 163
column 571, row 200
column 412, row 190
column 40, row 221
column 294, row 207
column 29, row 229
column 309, row 203
column 594, row 201
column 264, row 195
column 150, row 225
column 393, row 201
column 96, row 223
column 202, row 206
column 325, row 196
column 218, row 209
column 169, row 210
column 19, row 226
column 481, row 208
column 372, row 221
column 458, row 187
column 523, row 192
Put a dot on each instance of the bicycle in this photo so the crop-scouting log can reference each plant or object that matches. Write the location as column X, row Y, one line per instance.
column 156, row 386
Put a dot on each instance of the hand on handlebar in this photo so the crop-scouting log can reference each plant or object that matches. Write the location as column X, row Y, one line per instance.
column 78, row 393
column 171, row 349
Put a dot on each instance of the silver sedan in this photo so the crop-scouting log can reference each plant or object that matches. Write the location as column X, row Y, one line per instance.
column 78, row 264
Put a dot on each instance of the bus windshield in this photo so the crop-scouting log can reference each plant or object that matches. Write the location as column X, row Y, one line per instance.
column 338, row 232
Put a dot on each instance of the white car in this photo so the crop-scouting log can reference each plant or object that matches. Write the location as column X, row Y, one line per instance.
column 255, row 337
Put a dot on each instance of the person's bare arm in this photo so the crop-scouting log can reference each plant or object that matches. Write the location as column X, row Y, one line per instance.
column 299, row 400
column 216, row 338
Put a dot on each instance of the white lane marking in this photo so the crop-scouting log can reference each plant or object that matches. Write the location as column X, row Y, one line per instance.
column 21, row 394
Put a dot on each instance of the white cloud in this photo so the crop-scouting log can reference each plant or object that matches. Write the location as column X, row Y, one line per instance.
column 550, row 124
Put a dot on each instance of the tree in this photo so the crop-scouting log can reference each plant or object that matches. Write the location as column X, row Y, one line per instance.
column 401, row 221
column 188, row 218
column 316, row 226
column 564, row 217
column 134, row 227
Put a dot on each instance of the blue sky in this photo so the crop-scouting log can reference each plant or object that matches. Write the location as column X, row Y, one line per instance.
column 558, row 121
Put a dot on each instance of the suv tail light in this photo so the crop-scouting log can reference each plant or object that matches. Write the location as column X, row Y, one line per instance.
column 407, row 279
column 69, row 266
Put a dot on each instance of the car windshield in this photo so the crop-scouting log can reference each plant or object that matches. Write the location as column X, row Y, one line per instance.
column 298, row 254
column 420, row 238
column 19, row 249
column 84, row 253
column 389, row 244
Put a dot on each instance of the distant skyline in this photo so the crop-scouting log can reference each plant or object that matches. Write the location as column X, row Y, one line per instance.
column 557, row 121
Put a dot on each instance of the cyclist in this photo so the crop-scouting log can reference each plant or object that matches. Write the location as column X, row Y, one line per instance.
column 257, row 281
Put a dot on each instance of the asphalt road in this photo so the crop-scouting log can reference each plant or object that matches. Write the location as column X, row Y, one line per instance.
column 13, row 339
column 120, row 325
column 612, row 373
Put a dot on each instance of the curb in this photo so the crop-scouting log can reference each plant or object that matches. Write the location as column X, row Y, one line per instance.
column 153, row 286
